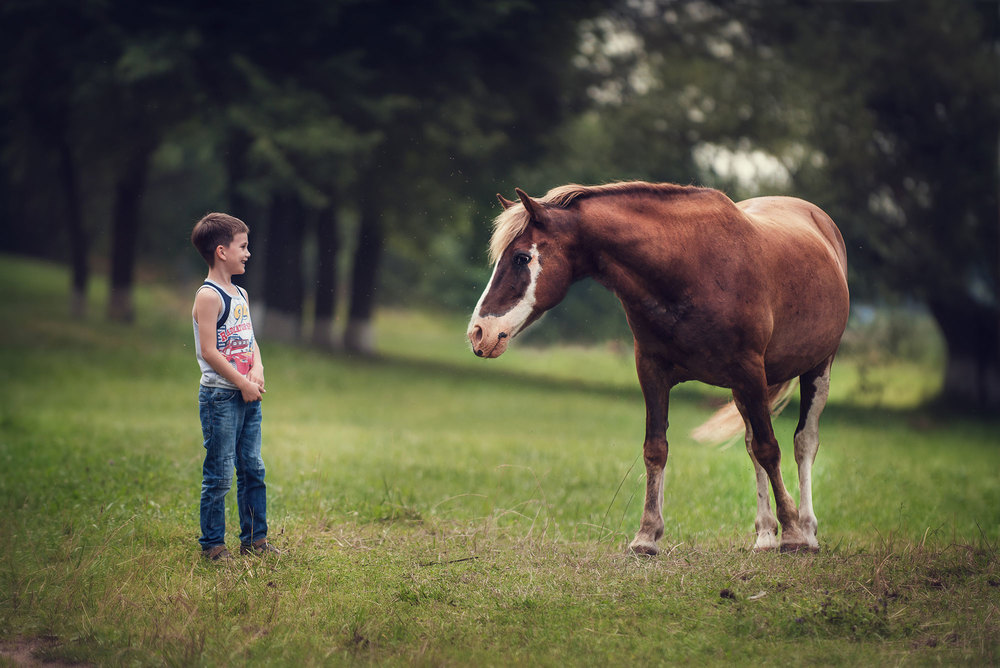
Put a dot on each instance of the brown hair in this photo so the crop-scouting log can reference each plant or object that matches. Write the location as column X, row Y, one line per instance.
column 214, row 230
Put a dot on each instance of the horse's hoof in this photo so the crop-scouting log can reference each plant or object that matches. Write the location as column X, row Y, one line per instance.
column 766, row 542
column 644, row 549
column 799, row 548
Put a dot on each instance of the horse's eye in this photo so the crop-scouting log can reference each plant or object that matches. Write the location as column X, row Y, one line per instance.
column 521, row 259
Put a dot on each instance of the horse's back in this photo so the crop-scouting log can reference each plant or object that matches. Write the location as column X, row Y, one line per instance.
column 797, row 220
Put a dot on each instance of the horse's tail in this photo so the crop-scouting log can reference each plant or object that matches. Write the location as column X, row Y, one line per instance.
column 727, row 423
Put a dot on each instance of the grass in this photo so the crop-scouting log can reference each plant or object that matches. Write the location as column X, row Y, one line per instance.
column 438, row 509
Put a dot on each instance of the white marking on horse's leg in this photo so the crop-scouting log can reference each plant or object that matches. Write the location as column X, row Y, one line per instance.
column 651, row 526
column 766, row 523
column 806, row 445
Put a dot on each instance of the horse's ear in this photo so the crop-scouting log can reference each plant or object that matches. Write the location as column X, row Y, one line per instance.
column 531, row 206
column 504, row 202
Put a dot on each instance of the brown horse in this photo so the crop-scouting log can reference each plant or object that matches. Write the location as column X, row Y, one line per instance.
column 747, row 296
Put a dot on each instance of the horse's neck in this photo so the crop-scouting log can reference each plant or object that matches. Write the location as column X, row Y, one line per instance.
column 653, row 235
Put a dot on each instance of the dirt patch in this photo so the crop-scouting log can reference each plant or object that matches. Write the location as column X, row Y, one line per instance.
column 29, row 651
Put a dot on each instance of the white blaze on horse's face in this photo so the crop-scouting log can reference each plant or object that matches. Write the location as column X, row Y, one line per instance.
column 508, row 304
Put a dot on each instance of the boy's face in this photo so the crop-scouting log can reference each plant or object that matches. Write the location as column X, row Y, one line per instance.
column 236, row 254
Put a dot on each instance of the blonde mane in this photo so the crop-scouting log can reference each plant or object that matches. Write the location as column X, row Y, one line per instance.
column 513, row 221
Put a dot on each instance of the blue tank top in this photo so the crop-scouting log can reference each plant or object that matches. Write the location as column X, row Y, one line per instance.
column 233, row 336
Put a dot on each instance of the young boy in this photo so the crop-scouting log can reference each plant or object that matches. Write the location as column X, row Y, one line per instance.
column 232, row 385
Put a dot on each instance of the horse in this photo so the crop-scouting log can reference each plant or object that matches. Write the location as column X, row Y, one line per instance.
column 749, row 296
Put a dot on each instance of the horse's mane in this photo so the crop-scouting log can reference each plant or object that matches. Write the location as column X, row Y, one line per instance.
column 513, row 221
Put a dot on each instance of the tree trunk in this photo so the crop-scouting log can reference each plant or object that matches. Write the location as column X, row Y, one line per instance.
column 77, row 236
column 125, row 231
column 237, row 175
column 359, row 336
column 972, row 373
column 283, row 283
column 328, row 250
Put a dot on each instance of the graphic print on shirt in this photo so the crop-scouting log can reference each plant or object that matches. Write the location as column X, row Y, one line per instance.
column 235, row 341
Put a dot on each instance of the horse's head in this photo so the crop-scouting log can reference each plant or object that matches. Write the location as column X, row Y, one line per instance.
column 531, row 274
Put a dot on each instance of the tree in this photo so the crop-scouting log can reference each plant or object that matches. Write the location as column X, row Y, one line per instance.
column 432, row 80
column 406, row 95
column 884, row 113
column 906, row 115
column 151, row 89
column 41, row 121
column 410, row 84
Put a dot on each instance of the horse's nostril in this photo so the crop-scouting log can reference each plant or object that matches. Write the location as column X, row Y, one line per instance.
column 476, row 336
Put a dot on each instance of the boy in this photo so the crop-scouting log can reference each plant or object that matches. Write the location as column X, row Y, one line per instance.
column 232, row 385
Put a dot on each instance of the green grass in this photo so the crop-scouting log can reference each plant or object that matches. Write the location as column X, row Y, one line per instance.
column 438, row 509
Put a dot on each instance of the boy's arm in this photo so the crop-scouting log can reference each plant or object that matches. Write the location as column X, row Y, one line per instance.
column 256, row 374
column 206, row 312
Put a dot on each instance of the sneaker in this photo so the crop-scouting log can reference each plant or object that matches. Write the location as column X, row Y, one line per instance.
column 217, row 553
column 259, row 547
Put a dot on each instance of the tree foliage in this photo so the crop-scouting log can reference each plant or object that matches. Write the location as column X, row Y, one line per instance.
column 375, row 133
column 886, row 114
column 905, row 114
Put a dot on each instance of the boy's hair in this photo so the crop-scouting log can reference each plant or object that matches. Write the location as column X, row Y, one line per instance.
column 214, row 230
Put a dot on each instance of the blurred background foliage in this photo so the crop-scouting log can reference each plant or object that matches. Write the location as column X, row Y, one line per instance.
column 363, row 142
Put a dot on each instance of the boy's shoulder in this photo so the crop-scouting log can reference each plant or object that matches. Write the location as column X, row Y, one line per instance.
column 212, row 287
column 209, row 296
column 207, row 291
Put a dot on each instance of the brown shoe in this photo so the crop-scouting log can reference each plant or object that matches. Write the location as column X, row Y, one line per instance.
column 217, row 554
column 260, row 547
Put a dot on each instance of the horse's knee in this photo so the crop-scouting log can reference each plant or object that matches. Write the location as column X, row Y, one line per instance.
column 655, row 454
column 806, row 445
column 767, row 454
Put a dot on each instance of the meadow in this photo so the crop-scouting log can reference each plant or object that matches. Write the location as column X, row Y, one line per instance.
column 437, row 509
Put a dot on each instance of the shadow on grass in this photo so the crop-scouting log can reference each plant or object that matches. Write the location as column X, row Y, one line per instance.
column 930, row 415
column 468, row 373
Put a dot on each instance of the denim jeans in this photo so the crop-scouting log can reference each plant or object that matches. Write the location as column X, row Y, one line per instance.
column 231, row 428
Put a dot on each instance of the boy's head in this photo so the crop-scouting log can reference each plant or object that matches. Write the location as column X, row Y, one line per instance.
column 214, row 230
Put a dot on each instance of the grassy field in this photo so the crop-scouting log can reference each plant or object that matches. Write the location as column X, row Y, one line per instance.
column 438, row 509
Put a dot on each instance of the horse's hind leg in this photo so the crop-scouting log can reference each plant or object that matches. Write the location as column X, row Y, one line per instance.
column 752, row 400
column 815, row 389
column 766, row 524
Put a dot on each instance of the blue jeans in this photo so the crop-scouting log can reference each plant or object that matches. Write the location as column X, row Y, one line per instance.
column 231, row 428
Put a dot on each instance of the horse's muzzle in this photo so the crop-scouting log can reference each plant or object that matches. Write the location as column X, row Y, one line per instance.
column 485, row 345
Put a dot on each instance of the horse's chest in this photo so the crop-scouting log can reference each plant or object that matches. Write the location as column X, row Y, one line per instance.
column 687, row 332
column 666, row 319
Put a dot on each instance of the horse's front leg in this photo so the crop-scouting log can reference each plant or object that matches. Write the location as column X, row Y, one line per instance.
column 656, row 391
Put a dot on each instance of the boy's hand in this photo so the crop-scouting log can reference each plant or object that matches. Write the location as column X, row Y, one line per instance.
column 256, row 376
column 251, row 391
